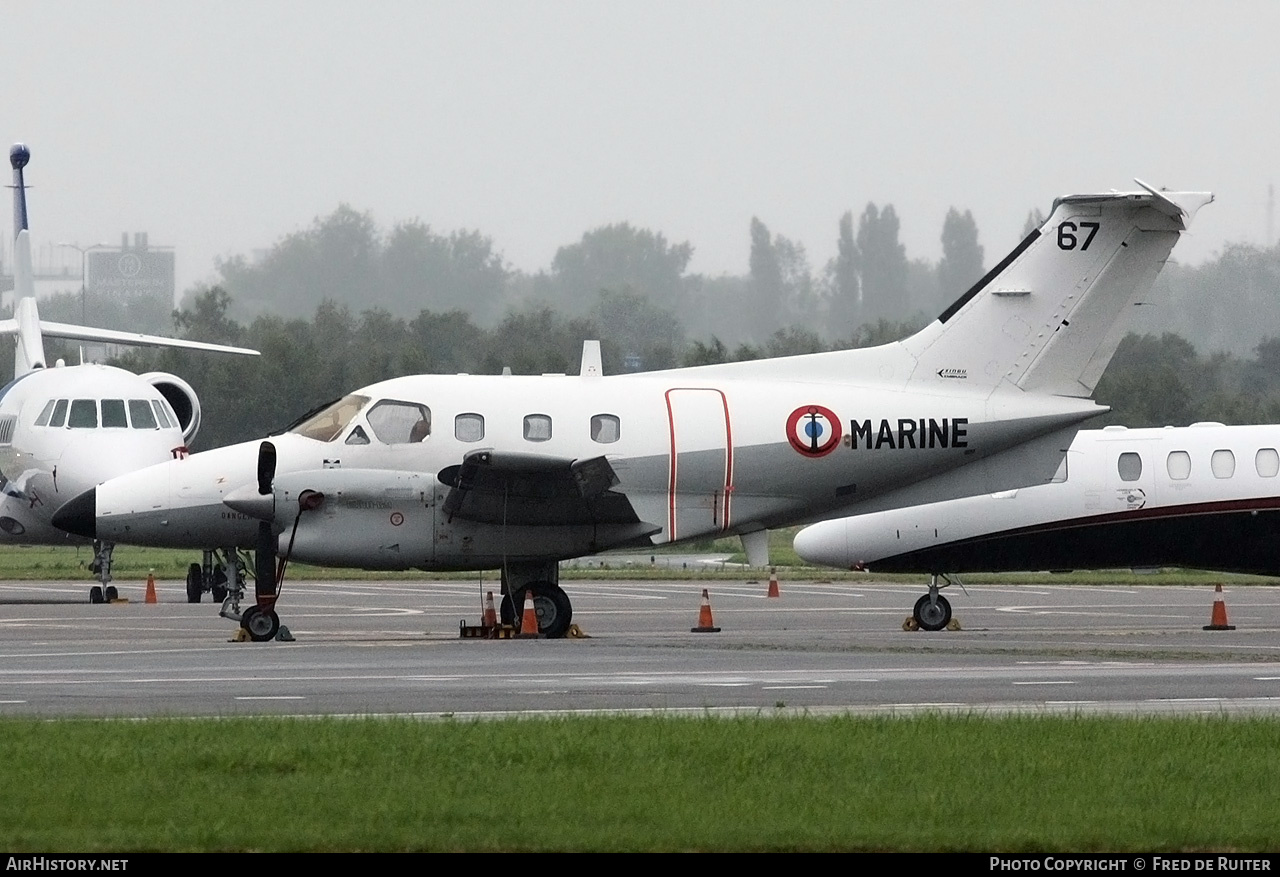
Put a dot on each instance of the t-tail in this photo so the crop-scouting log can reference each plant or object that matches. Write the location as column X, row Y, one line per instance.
column 1049, row 316
column 28, row 329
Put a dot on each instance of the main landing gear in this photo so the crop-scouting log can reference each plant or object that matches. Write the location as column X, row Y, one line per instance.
column 550, row 602
column 933, row 611
column 100, row 566
column 223, row 573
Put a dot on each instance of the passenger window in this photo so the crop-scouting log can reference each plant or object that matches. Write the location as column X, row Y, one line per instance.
column 113, row 413
column 1267, row 462
column 537, row 427
column 43, row 419
column 397, row 423
column 468, row 427
column 358, row 436
column 605, row 428
column 162, row 414
column 1223, row 464
column 84, row 414
column 141, row 415
column 1129, row 466
column 1179, row 465
column 59, row 416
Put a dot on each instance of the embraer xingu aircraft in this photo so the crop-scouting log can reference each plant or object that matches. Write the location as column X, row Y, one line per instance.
column 460, row 472
column 1205, row 496
column 66, row 428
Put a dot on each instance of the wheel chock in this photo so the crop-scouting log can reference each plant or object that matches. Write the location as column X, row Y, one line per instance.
column 910, row 623
column 953, row 624
column 575, row 632
column 240, row 636
column 284, row 635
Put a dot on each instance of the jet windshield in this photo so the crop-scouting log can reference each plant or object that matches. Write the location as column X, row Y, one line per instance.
column 325, row 425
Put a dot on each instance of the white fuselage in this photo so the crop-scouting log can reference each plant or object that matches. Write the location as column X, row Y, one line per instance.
column 1205, row 496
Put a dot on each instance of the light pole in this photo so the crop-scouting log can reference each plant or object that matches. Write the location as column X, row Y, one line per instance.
column 83, row 277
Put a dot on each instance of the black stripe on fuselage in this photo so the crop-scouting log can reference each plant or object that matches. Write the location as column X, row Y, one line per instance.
column 989, row 276
column 1227, row 536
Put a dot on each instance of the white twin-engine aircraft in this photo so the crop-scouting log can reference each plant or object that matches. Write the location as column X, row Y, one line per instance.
column 67, row 428
column 1205, row 496
column 517, row 473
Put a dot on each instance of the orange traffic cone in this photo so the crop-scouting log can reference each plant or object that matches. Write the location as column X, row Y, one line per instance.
column 529, row 621
column 773, row 583
column 490, row 619
column 705, row 624
column 1218, row 621
column 151, row 587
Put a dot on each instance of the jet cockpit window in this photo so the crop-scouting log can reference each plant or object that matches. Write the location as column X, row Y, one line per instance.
column 1222, row 464
column 84, row 414
column 1267, row 462
column 605, row 428
column 141, row 415
column 537, row 428
column 43, row 419
column 162, row 414
column 113, row 413
column 398, row 423
column 1129, row 466
column 468, row 427
column 358, row 436
column 325, row 425
column 59, row 416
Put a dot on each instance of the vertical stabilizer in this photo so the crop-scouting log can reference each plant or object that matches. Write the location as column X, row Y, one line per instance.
column 28, row 351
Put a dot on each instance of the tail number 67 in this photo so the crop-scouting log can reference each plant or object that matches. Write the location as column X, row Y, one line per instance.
column 1067, row 238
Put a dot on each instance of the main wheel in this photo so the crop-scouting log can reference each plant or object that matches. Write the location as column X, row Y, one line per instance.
column 95, row 594
column 262, row 624
column 110, row 594
column 930, row 615
column 195, row 583
column 552, row 607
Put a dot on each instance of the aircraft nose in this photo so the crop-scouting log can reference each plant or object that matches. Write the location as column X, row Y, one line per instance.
column 80, row 515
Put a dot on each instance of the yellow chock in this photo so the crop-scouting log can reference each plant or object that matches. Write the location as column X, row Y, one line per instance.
column 910, row 623
column 953, row 624
column 575, row 632
column 240, row 636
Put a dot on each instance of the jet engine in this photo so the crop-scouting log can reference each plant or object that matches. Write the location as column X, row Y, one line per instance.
column 181, row 398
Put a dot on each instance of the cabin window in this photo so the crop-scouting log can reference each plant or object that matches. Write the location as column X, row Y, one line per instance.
column 605, row 428
column 162, row 414
column 84, row 414
column 537, row 427
column 1129, row 466
column 113, row 413
column 141, row 415
column 43, row 419
column 1267, row 462
column 468, row 427
column 358, row 436
column 398, row 423
column 59, row 416
column 1223, row 464
column 1179, row 465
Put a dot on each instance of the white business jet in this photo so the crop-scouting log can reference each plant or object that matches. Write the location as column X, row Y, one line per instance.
column 440, row 472
column 64, row 429
column 1205, row 496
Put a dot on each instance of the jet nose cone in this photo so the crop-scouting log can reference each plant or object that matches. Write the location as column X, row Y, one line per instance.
column 80, row 515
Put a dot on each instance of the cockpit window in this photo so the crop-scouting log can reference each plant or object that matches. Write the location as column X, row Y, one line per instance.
column 325, row 425
column 113, row 413
column 84, row 414
column 396, row 423
column 358, row 436
column 59, row 416
column 141, row 415
column 43, row 419
column 162, row 414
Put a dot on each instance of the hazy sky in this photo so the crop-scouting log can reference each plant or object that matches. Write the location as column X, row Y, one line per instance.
column 220, row 127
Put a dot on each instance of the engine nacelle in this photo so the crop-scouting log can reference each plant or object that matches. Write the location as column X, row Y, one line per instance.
column 181, row 398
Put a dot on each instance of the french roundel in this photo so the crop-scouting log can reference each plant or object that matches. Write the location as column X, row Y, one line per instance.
column 813, row 430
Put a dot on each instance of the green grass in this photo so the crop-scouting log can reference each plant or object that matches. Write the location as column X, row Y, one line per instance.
column 933, row 783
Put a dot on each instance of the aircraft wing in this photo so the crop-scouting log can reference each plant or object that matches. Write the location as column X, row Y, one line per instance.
column 110, row 336
column 493, row 487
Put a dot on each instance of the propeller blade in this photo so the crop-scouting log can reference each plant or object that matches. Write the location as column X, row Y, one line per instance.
column 264, row 559
column 266, row 467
